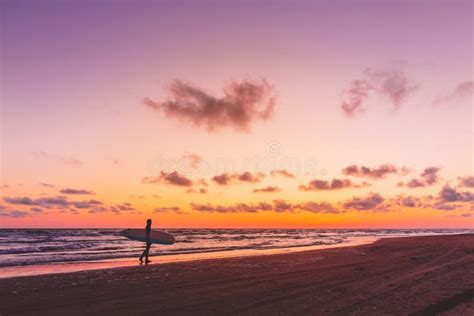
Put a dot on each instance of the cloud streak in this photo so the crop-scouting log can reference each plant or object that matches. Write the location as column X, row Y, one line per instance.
column 62, row 203
column 390, row 83
column 462, row 92
column 14, row 214
column 47, row 185
column 334, row 184
column 169, row 210
column 69, row 161
column 192, row 159
column 124, row 208
column 200, row 191
column 227, row 178
column 283, row 173
column 354, row 97
column 236, row 208
column 173, row 178
column 268, row 189
column 76, row 191
column 278, row 206
column 315, row 207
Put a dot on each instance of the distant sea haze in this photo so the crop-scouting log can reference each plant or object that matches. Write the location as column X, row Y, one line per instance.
column 21, row 247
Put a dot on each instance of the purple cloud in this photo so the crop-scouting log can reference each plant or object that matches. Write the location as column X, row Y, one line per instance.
column 391, row 83
column 222, row 179
column 278, row 206
column 174, row 209
column 46, row 202
column 173, row 178
column 462, row 92
column 47, row 185
column 466, row 182
column 268, row 189
column 227, row 178
column 322, row 207
column 200, row 191
column 370, row 202
column 442, row 206
column 335, row 184
column 85, row 204
column 375, row 173
column 192, row 159
column 14, row 214
column 428, row 177
column 242, row 104
column 282, row 172
column 124, row 208
column 76, row 191
column 354, row 97
column 281, row 206
column 249, row 177
column 237, row 208
column 52, row 202
column 408, row 201
column 62, row 205
column 449, row 194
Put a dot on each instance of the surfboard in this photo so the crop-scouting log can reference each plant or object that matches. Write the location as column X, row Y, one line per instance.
column 156, row 236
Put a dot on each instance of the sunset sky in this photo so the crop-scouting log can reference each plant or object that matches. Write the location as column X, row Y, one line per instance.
column 237, row 114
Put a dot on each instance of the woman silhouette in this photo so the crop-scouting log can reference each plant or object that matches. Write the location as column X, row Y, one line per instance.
column 148, row 243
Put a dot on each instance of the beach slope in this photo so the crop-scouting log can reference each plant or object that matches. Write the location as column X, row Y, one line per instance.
column 415, row 275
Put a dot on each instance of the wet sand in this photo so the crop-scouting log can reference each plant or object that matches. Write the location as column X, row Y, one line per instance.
column 8, row 272
column 397, row 276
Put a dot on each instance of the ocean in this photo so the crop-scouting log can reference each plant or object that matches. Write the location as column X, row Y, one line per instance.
column 29, row 247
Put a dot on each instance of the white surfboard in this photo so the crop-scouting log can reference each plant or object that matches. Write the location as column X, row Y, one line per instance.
column 156, row 236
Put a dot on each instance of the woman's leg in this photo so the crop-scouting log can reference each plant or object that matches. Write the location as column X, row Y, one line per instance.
column 144, row 253
column 147, row 251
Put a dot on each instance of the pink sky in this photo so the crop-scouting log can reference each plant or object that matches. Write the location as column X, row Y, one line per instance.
column 365, row 83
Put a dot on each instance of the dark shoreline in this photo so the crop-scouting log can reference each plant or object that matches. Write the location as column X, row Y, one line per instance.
column 409, row 275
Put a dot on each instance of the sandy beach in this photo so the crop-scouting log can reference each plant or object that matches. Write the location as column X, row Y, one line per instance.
column 398, row 276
